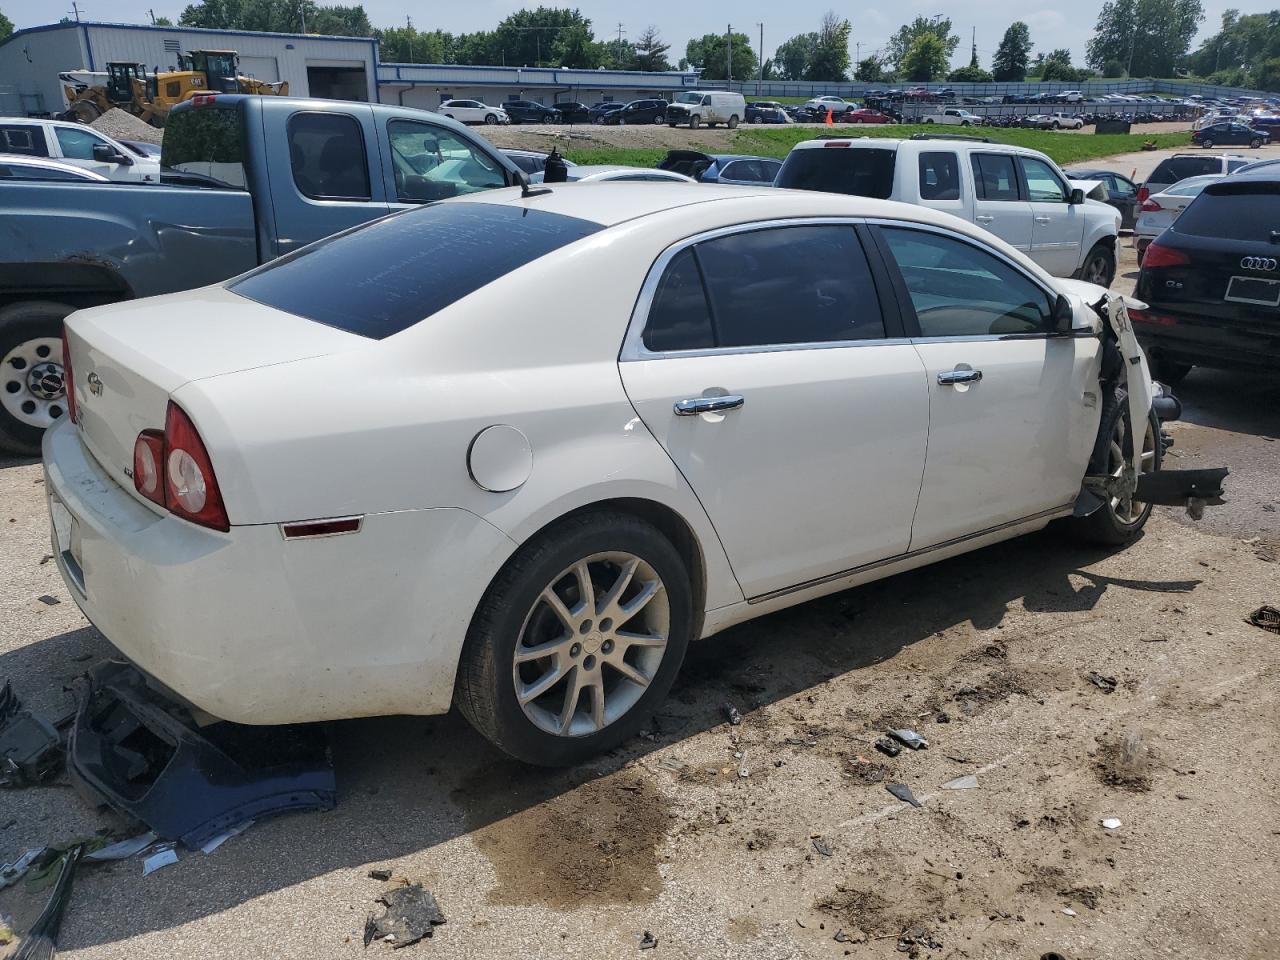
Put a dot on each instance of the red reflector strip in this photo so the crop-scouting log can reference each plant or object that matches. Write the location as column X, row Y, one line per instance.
column 836, row 143
column 321, row 528
column 1154, row 319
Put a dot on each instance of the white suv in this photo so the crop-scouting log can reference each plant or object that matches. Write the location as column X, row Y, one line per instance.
column 1020, row 195
column 473, row 111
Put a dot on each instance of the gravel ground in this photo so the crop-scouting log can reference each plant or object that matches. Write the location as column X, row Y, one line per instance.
column 667, row 836
column 123, row 125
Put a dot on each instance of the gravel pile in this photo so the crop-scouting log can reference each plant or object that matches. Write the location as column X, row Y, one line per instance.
column 123, row 125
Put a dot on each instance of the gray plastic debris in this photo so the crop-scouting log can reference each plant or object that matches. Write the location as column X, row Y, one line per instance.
column 910, row 738
column 842, row 937
column 411, row 914
column 648, row 941
column 1266, row 617
column 161, row 856
column 1068, row 911
column 1111, row 823
column 885, row 745
column 226, row 835
column 123, row 849
column 1105, row 684
column 913, row 937
column 903, row 793
column 962, row 783
column 30, row 749
column 823, row 846
column 11, row 873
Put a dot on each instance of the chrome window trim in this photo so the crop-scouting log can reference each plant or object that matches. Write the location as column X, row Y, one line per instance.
column 633, row 346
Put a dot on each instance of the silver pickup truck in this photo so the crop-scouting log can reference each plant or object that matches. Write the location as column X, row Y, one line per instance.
column 245, row 179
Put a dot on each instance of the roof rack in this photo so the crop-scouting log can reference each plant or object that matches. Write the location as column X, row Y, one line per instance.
column 949, row 136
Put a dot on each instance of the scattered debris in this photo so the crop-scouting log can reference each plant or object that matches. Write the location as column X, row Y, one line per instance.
column 910, row 738
column 823, row 846
column 1105, row 684
column 123, row 849
column 913, row 937
column 1126, row 763
column 11, row 873
column 41, row 939
column 48, row 601
column 903, row 793
column 1111, row 823
column 885, row 745
column 1067, row 910
column 943, row 717
column 383, row 875
column 648, row 941
column 1087, row 896
column 962, row 783
column 30, row 745
column 868, row 771
column 1267, row 617
column 163, row 855
column 731, row 714
column 842, row 937
column 226, row 835
column 411, row 913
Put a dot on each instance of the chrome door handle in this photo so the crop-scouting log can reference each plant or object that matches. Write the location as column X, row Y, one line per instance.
column 950, row 377
column 696, row 405
column 1043, row 219
column 984, row 219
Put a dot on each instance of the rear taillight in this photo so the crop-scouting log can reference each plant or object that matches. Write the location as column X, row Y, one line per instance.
column 1153, row 319
column 68, row 379
column 204, row 99
column 1150, row 206
column 1143, row 194
column 173, row 469
column 148, row 464
column 1161, row 256
column 191, row 489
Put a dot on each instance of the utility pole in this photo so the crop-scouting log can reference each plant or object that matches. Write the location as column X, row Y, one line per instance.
column 617, row 51
column 153, row 16
column 857, row 53
column 728, row 45
column 408, row 25
column 75, row 7
column 302, row 12
column 761, row 26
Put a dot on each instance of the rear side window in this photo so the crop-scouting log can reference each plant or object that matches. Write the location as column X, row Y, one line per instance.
column 679, row 318
column 326, row 151
column 205, row 145
column 388, row 275
column 939, row 176
column 860, row 172
column 1248, row 212
column 1179, row 168
column 27, row 141
column 994, row 176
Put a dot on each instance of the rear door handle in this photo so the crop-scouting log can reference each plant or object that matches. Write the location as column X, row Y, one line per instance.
column 1043, row 219
column 696, row 405
column 984, row 219
column 949, row 377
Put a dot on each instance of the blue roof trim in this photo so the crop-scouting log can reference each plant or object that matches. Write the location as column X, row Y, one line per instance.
column 74, row 25
column 546, row 70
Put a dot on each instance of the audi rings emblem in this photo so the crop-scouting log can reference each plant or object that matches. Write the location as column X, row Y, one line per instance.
column 1259, row 263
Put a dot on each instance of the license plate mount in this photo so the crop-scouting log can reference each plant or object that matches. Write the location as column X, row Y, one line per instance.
column 1254, row 290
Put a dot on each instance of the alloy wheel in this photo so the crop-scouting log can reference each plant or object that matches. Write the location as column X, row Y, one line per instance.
column 591, row 644
column 1130, row 511
column 31, row 382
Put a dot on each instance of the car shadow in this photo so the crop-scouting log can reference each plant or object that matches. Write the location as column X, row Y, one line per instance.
column 407, row 784
column 1231, row 400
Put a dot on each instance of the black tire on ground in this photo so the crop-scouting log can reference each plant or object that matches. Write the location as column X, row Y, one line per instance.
column 1103, row 526
column 659, row 120
column 1168, row 372
column 1207, row 144
column 694, row 122
column 19, row 323
column 1255, row 143
column 485, row 690
column 733, row 121
column 1099, row 266
column 490, row 119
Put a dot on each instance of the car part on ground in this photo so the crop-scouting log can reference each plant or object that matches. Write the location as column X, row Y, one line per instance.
column 140, row 753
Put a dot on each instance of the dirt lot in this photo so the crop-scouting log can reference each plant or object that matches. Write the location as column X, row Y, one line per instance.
column 772, row 839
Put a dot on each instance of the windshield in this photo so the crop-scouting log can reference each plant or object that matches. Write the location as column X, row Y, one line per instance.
column 205, row 145
column 689, row 98
column 1233, row 210
column 388, row 275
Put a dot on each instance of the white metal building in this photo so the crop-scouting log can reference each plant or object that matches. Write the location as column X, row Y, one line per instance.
column 343, row 68
column 429, row 85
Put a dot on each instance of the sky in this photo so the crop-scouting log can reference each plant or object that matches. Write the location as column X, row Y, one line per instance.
column 1052, row 24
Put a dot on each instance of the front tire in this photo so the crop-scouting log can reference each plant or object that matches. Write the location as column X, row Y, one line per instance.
column 1099, row 266
column 32, row 394
column 694, row 122
column 1207, row 144
column 490, row 119
column 1118, row 523
column 1255, row 143
column 577, row 640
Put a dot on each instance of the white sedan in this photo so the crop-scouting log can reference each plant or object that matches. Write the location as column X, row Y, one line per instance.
column 473, row 111
column 1157, row 213
column 598, row 172
column 514, row 452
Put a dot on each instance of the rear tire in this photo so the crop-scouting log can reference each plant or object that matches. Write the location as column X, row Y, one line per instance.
column 733, row 122
column 1111, row 525
column 580, row 640
column 1207, row 144
column 30, row 342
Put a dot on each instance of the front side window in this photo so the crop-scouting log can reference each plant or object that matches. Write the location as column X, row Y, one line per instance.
column 432, row 163
column 939, row 176
column 22, row 172
column 327, row 154
column 1043, row 185
column 958, row 290
column 27, row 141
column 1120, row 187
column 995, row 176
column 76, row 144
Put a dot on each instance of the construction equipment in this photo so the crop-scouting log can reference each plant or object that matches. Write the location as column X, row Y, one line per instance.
column 152, row 97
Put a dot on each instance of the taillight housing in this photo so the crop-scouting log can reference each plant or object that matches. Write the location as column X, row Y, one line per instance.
column 1143, row 194
column 1150, row 206
column 173, row 469
column 1162, row 256
column 68, row 379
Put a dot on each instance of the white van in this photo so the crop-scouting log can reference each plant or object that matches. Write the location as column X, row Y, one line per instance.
column 696, row 107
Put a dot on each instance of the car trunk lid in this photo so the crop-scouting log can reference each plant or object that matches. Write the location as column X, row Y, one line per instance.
column 129, row 358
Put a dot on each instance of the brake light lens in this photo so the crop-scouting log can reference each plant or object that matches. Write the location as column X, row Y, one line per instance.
column 1161, row 256
column 1153, row 319
column 68, row 379
column 148, row 461
column 191, row 489
column 1150, row 206
column 204, row 99
column 1143, row 194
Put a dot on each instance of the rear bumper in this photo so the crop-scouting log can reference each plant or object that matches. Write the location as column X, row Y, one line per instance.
column 253, row 629
column 1208, row 341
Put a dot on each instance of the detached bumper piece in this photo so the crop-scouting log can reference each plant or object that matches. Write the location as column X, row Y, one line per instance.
column 141, row 753
column 1194, row 489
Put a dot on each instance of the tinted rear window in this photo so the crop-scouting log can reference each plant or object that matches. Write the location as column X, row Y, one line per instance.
column 860, row 172
column 388, row 275
column 205, row 145
column 1249, row 212
column 1179, row 168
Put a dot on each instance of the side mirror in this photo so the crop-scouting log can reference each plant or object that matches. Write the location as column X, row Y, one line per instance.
column 1064, row 314
column 104, row 153
column 1077, row 197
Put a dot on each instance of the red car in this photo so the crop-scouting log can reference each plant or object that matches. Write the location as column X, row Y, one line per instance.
column 864, row 115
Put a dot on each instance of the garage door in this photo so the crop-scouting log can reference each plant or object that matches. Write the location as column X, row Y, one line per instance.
column 337, row 83
column 262, row 68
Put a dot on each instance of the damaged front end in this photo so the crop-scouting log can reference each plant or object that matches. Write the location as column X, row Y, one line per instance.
column 139, row 752
column 1124, row 367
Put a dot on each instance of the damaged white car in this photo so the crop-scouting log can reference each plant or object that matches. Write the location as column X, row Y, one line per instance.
column 515, row 451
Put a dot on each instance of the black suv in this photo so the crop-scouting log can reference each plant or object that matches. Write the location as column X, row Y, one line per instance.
column 599, row 110
column 1212, row 281
column 572, row 112
column 639, row 111
column 526, row 111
